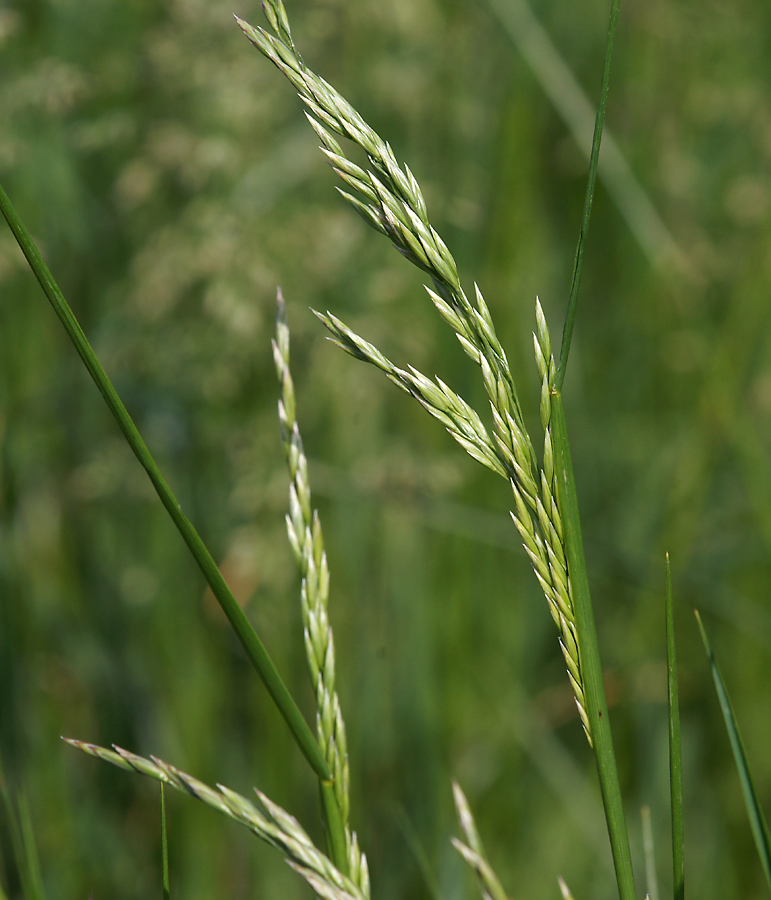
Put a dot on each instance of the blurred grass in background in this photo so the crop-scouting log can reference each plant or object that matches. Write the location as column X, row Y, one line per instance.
column 172, row 180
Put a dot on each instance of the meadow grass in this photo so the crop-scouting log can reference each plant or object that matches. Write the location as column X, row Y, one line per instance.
column 545, row 513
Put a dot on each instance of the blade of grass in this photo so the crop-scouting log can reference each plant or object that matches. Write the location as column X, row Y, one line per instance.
column 13, row 825
column 572, row 104
column 589, row 652
column 754, row 810
column 249, row 638
column 31, row 859
column 591, row 669
column 567, row 333
column 675, row 754
column 22, row 841
column 418, row 852
column 164, row 847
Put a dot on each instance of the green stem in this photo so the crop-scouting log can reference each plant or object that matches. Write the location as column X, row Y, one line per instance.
column 599, row 122
column 589, row 652
column 249, row 638
column 335, row 829
column 164, row 847
column 675, row 753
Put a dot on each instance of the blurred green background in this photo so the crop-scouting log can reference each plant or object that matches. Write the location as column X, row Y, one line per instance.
column 168, row 172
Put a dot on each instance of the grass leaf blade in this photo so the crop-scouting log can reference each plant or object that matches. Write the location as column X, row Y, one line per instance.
column 34, row 877
column 675, row 753
column 570, row 318
column 418, row 853
column 754, row 810
column 243, row 628
column 22, row 841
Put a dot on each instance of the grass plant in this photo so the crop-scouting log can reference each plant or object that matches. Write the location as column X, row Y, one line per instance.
column 545, row 514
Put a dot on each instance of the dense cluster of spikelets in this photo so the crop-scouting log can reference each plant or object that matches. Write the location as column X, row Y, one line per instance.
column 390, row 200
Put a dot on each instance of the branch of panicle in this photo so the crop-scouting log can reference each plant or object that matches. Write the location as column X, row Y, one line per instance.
column 271, row 823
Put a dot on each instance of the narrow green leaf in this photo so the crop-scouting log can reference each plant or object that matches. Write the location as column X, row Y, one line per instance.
column 418, row 852
column 754, row 810
column 13, row 827
column 34, row 877
column 675, row 755
column 249, row 638
column 164, row 847
column 591, row 669
column 22, row 840
column 567, row 333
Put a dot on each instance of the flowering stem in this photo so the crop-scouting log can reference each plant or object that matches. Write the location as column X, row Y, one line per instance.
column 591, row 669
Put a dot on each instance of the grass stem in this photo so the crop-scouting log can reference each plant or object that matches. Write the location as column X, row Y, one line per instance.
column 249, row 638
column 164, row 847
column 591, row 669
column 675, row 753
column 335, row 829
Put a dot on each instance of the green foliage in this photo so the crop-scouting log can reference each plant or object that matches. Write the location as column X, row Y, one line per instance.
column 755, row 812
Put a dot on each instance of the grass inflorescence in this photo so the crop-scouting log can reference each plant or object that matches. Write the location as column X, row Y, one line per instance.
column 392, row 202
